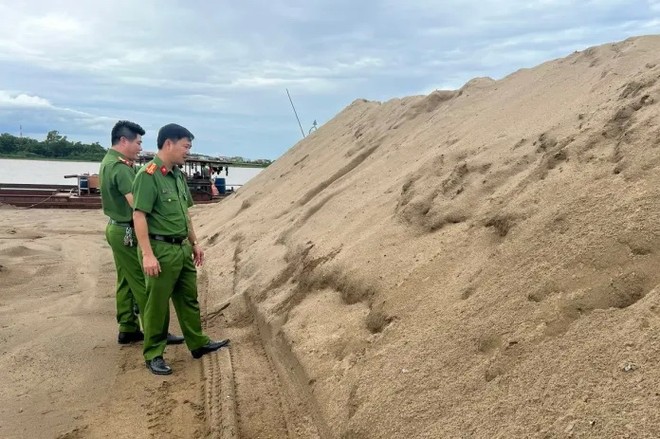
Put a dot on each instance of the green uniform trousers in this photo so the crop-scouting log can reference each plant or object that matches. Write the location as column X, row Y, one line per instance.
column 177, row 280
column 130, row 279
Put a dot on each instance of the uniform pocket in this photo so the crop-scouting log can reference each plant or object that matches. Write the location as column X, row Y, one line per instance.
column 170, row 201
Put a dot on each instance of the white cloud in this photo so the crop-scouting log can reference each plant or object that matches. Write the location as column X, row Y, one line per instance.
column 307, row 84
column 21, row 100
column 81, row 64
column 29, row 110
column 52, row 27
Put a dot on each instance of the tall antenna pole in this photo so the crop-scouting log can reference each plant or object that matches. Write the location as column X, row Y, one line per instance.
column 296, row 113
column 21, row 130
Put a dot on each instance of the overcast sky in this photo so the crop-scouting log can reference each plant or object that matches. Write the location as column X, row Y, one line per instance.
column 221, row 68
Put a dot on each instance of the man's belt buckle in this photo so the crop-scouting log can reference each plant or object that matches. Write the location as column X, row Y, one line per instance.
column 168, row 239
column 120, row 224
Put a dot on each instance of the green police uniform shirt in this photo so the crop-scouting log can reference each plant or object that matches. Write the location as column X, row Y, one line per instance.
column 116, row 179
column 165, row 197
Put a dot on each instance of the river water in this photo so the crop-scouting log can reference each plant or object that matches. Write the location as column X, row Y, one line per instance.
column 17, row 171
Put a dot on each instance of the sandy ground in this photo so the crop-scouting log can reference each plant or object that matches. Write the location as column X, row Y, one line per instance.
column 479, row 263
column 62, row 371
column 64, row 375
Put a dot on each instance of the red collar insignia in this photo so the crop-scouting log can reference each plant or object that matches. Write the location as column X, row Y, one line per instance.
column 163, row 170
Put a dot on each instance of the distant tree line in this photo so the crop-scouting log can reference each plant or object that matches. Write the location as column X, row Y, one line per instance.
column 238, row 161
column 55, row 146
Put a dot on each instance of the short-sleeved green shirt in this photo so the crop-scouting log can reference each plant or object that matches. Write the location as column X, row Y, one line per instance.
column 165, row 197
column 116, row 180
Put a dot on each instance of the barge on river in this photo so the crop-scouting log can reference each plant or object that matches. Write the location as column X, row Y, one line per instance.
column 203, row 177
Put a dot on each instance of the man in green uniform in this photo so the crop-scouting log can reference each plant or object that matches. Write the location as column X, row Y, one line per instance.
column 116, row 177
column 169, row 250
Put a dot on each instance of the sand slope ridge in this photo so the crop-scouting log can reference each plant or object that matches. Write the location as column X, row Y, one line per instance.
column 479, row 262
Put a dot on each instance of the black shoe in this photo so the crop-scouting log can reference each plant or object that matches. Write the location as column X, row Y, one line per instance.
column 158, row 366
column 129, row 337
column 174, row 339
column 209, row 347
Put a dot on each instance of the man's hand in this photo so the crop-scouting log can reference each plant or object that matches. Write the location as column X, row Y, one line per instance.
column 150, row 265
column 198, row 255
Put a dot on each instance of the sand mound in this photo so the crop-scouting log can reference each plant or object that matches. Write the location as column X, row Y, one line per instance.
column 480, row 262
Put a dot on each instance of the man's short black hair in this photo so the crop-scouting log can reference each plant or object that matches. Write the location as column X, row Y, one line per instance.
column 127, row 129
column 173, row 132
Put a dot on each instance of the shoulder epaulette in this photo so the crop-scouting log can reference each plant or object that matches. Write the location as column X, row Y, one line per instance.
column 126, row 162
column 151, row 169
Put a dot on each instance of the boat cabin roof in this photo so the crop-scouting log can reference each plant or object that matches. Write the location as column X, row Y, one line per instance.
column 200, row 160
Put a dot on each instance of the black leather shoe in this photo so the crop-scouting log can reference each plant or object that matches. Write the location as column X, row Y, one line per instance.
column 174, row 339
column 158, row 366
column 209, row 347
column 129, row 337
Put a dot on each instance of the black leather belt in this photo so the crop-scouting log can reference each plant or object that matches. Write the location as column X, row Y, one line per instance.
column 120, row 224
column 168, row 239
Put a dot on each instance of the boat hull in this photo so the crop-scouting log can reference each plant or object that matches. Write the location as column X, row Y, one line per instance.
column 65, row 197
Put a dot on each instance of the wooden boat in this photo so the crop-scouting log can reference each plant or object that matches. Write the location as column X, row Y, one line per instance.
column 86, row 193
column 40, row 196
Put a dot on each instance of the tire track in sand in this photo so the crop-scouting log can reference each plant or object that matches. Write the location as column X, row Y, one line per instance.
column 244, row 395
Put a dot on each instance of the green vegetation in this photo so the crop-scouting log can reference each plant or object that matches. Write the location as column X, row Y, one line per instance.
column 55, row 147
column 240, row 162
column 249, row 164
column 58, row 147
column 236, row 162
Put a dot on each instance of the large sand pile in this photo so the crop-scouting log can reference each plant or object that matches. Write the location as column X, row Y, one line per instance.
column 480, row 262
column 472, row 263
